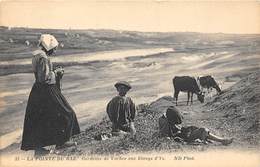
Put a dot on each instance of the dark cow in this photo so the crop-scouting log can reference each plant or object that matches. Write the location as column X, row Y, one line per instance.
column 208, row 82
column 187, row 84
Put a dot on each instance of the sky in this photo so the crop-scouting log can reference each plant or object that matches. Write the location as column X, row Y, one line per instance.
column 240, row 17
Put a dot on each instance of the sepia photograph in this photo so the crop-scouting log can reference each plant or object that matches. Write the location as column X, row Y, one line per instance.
column 126, row 82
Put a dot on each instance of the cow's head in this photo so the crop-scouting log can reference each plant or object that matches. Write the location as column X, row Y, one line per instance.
column 201, row 97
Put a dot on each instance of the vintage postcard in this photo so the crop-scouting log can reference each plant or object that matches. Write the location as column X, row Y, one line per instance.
column 123, row 83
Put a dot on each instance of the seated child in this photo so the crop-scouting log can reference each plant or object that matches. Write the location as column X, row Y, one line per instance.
column 121, row 110
column 168, row 125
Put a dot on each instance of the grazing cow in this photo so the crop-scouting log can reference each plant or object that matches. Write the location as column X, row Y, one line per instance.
column 187, row 84
column 209, row 83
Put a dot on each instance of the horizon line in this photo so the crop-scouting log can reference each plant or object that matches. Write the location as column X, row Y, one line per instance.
column 109, row 29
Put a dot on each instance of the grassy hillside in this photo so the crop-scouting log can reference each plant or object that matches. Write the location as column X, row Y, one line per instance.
column 238, row 109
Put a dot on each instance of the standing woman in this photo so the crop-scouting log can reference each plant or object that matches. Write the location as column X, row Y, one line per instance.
column 49, row 119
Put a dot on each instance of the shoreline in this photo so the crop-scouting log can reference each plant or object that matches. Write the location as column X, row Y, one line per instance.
column 95, row 56
column 24, row 65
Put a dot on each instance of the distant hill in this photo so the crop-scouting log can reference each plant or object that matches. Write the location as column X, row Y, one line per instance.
column 13, row 40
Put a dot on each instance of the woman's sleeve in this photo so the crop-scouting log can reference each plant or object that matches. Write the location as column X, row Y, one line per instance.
column 43, row 70
column 46, row 75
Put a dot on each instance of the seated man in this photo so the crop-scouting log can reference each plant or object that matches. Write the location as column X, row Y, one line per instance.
column 169, row 128
column 121, row 110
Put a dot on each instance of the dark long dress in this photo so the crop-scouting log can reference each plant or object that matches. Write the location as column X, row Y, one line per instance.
column 49, row 119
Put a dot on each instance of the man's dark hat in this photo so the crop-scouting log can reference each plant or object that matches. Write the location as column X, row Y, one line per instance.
column 123, row 83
